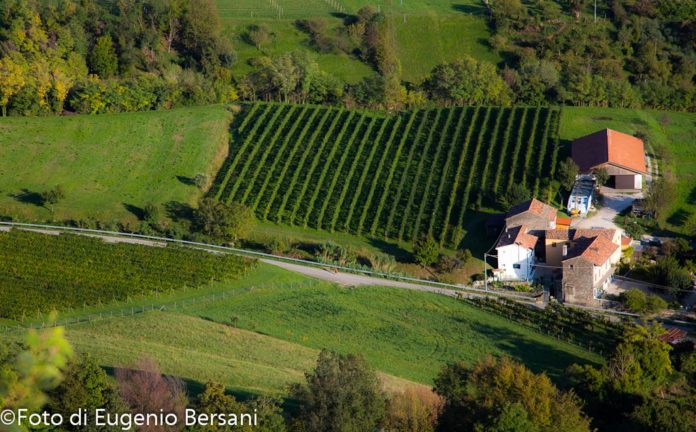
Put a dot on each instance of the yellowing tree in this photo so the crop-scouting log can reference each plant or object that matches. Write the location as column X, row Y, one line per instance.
column 12, row 79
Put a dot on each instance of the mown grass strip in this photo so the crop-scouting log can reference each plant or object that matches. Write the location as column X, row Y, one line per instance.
column 238, row 155
column 261, row 163
column 431, row 173
column 351, row 173
column 503, row 151
column 392, row 169
column 318, row 153
column 378, row 173
column 445, row 175
column 531, row 146
column 339, row 169
column 268, row 127
column 404, row 173
column 365, row 171
column 460, row 166
column 278, row 156
column 542, row 152
column 474, row 162
column 327, row 164
column 281, row 176
column 518, row 146
column 300, row 164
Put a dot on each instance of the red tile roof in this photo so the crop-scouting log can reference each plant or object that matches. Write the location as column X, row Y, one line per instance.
column 673, row 335
column 536, row 207
column 612, row 147
column 626, row 240
column 596, row 250
column 517, row 235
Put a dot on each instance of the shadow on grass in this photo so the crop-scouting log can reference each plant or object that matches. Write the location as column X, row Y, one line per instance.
column 179, row 211
column 470, row 9
column 691, row 199
column 135, row 210
column 400, row 254
column 29, row 197
column 188, row 181
column 679, row 218
column 538, row 357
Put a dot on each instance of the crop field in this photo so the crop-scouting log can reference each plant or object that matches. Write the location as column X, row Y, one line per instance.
column 398, row 177
column 40, row 272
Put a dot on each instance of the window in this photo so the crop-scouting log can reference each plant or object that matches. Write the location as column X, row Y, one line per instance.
column 516, row 266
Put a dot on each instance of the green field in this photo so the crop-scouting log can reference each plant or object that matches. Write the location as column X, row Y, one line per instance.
column 674, row 131
column 404, row 334
column 398, row 177
column 108, row 164
column 427, row 32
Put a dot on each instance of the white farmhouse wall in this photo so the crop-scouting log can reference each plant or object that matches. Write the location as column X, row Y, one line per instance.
column 512, row 256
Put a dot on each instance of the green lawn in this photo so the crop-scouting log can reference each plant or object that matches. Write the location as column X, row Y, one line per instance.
column 109, row 162
column 427, row 32
column 405, row 333
column 674, row 130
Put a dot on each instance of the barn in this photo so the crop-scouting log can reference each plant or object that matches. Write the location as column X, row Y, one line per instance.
column 621, row 154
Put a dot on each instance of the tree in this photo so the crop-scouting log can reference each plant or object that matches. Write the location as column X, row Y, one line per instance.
column 259, row 35
column 12, row 80
column 413, row 410
column 341, row 394
column 515, row 194
column 53, row 196
column 602, row 176
column 222, row 221
column 145, row 390
column 500, row 394
column 639, row 302
column 566, row 173
column 200, row 180
column 214, row 400
column 151, row 213
column 659, row 196
column 664, row 415
column 103, row 60
column 28, row 371
column 468, row 82
column 87, row 386
column 426, row 250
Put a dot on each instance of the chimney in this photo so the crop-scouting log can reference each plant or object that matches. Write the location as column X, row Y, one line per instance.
column 565, row 250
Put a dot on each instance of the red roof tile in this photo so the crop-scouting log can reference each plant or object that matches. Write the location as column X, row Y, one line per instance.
column 535, row 207
column 596, row 250
column 517, row 235
column 612, row 147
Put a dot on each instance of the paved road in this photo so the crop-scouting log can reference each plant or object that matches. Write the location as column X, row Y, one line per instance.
column 614, row 203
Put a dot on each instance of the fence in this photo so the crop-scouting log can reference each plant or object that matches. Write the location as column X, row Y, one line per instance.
column 128, row 311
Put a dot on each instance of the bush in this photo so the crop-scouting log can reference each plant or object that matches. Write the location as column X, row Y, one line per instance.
column 426, row 251
column 639, row 302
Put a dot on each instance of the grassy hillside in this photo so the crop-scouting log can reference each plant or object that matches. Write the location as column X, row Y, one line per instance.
column 672, row 130
column 401, row 332
column 399, row 177
column 427, row 33
column 108, row 165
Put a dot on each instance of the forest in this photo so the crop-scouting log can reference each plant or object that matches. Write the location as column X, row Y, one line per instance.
column 65, row 56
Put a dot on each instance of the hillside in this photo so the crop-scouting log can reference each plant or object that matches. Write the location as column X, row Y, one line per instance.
column 400, row 177
column 426, row 33
column 111, row 165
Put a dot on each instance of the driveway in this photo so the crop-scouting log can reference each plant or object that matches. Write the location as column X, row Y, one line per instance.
column 614, row 203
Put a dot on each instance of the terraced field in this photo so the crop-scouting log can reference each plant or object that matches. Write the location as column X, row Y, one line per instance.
column 399, row 177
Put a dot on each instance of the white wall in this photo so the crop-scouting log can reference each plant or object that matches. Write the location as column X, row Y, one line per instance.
column 509, row 256
column 638, row 179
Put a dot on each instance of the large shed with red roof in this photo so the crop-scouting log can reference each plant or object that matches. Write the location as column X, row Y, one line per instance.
column 622, row 155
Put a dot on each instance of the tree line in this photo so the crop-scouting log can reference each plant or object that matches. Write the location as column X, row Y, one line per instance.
column 645, row 385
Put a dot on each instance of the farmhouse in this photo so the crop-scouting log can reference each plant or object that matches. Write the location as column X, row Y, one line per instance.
column 533, row 214
column 622, row 155
column 516, row 254
column 588, row 259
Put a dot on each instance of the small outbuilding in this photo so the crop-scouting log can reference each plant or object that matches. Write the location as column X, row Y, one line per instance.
column 580, row 200
column 622, row 155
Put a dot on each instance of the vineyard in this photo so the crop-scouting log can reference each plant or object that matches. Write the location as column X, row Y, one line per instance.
column 399, row 177
column 40, row 273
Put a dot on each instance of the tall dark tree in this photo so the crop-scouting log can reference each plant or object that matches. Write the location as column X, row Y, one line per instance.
column 341, row 394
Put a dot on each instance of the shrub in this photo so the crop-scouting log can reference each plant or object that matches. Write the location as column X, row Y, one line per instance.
column 426, row 251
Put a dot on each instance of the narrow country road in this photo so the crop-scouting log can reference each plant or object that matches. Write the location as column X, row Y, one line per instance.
column 350, row 279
